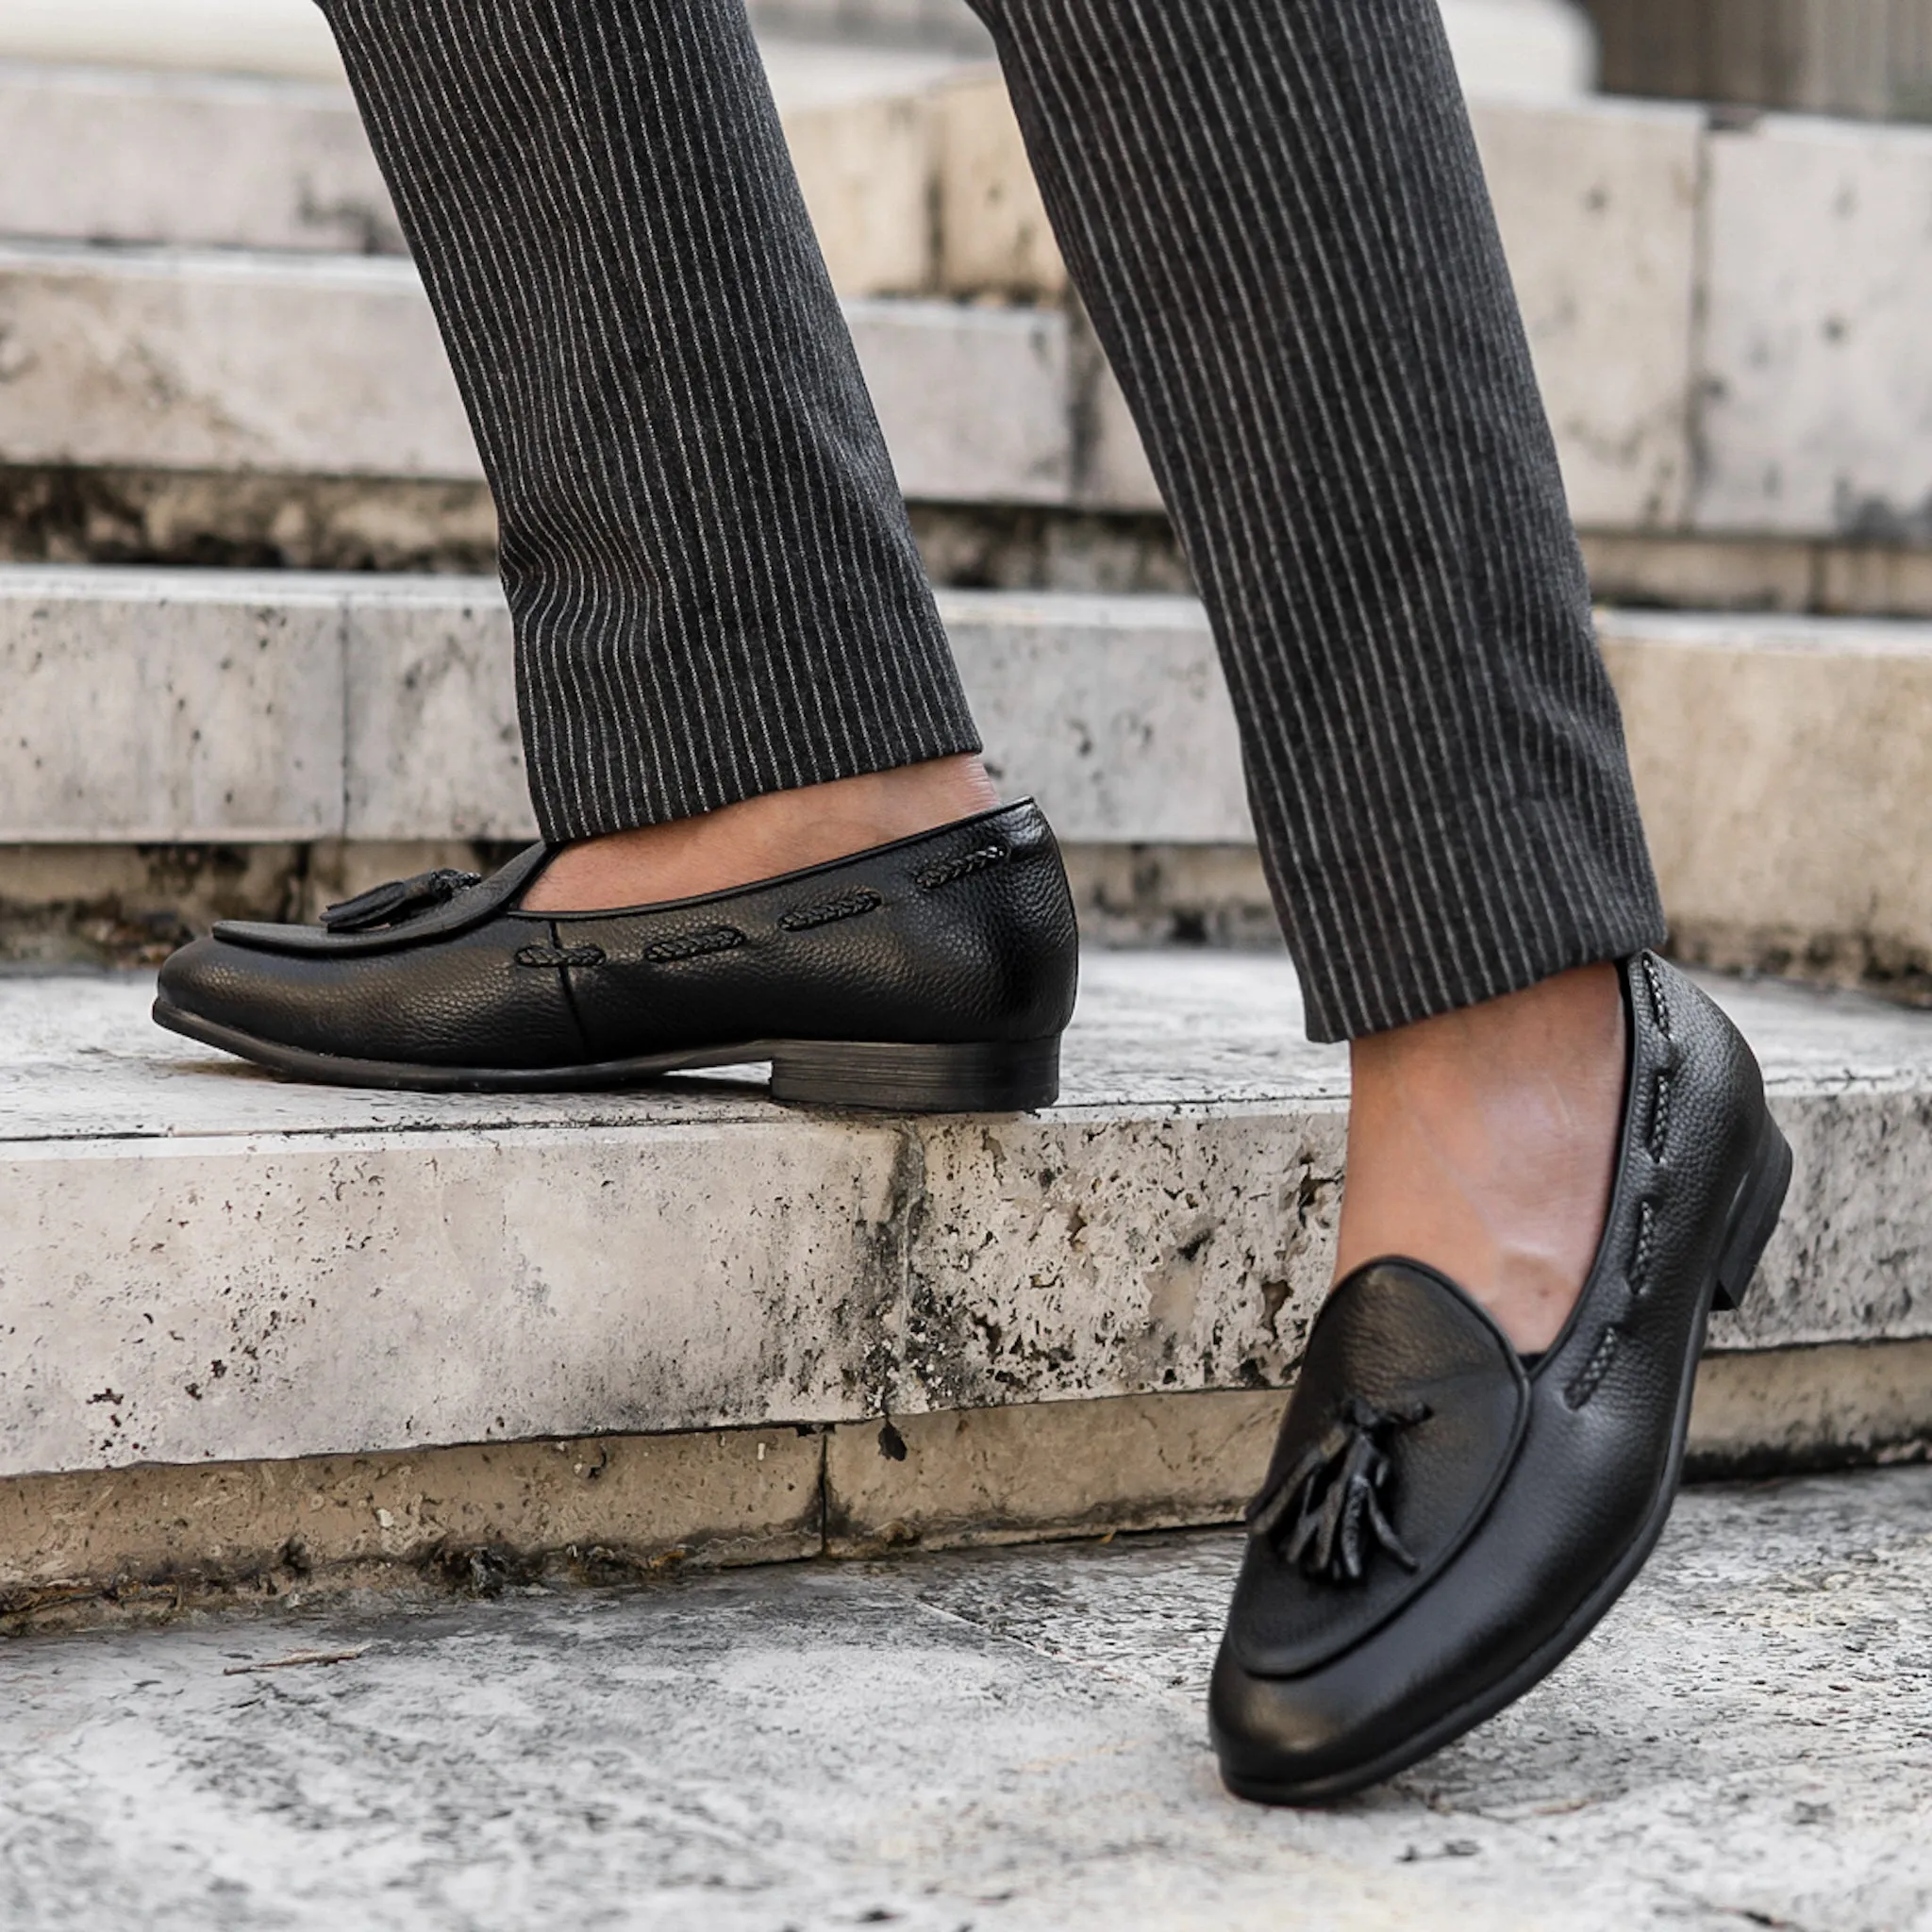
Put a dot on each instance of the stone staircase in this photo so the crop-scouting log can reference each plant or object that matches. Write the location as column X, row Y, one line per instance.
column 1783, row 762
column 1725, row 319
column 262, row 1332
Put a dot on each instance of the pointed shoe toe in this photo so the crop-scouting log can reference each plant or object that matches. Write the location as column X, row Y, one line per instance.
column 935, row 973
column 1440, row 1526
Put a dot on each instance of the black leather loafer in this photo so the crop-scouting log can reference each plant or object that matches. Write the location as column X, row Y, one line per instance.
column 935, row 973
column 1442, row 1525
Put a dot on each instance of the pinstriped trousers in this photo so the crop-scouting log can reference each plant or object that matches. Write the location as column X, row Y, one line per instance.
column 1276, row 216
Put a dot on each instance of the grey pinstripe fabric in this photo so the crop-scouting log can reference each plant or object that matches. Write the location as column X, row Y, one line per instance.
column 1276, row 215
column 1275, row 212
column 715, row 590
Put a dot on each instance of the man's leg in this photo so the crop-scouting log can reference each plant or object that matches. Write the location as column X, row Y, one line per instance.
column 1274, row 213
column 1276, row 216
column 715, row 589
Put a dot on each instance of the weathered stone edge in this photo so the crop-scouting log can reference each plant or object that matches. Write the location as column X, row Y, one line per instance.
column 159, row 1539
column 884, row 1275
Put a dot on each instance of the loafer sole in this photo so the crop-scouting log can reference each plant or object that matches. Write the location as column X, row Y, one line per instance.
column 972, row 1076
column 1754, row 1219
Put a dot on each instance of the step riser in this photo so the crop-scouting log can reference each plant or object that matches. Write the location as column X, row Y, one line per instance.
column 129, row 158
column 255, row 522
column 100, row 1545
column 77, row 906
column 1754, row 574
column 247, row 522
column 279, row 708
column 127, row 906
column 205, row 519
column 875, row 1274
column 331, row 367
column 1783, row 770
column 1782, row 765
column 1816, row 56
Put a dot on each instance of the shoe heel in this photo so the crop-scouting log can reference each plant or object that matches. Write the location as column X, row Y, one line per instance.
column 979, row 1077
column 1761, row 1201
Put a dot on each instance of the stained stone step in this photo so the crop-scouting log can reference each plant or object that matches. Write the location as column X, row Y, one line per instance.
column 330, row 365
column 239, row 37
column 150, row 154
column 247, row 706
column 200, row 1262
column 1005, row 1740
column 1725, row 319
column 110, row 155
column 1783, row 763
column 244, row 1316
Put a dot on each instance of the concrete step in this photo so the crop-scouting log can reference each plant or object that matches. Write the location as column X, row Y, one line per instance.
column 248, row 706
column 248, row 36
column 1724, row 320
column 331, row 366
column 242, row 1312
column 1008, row 1741
column 1783, row 763
column 166, row 153
column 245, row 102
column 194, row 44
column 116, row 154
column 1723, row 317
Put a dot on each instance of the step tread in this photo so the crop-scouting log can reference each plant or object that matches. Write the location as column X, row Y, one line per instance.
column 112, row 585
column 1006, row 1739
column 1804, row 633
column 80, row 1060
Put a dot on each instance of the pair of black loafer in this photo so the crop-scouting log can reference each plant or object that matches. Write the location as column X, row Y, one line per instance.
column 1440, row 1524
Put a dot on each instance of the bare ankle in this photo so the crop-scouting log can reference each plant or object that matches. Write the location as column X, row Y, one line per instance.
column 762, row 837
column 1482, row 1143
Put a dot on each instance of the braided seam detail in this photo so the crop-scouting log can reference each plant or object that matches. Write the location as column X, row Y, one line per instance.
column 1661, row 1117
column 848, row 905
column 694, row 945
column 1643, row 1253
column 1643, row 1250
column 1592, row 1373
column 560, row 955
column 949, row 872
column 1654, row 985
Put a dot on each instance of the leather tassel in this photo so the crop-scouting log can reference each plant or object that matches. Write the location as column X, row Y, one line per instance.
column 399, row 900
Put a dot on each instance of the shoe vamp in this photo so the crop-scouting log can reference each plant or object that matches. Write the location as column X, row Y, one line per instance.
column 1571, row 1510
column 462, row 1001
column 1374, row 1517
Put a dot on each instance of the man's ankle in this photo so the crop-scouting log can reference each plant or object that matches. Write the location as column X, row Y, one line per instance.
column 759, row 838
column 1482, row 1143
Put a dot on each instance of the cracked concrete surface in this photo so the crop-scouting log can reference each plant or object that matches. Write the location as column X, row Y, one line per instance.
column 1006, row 1739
